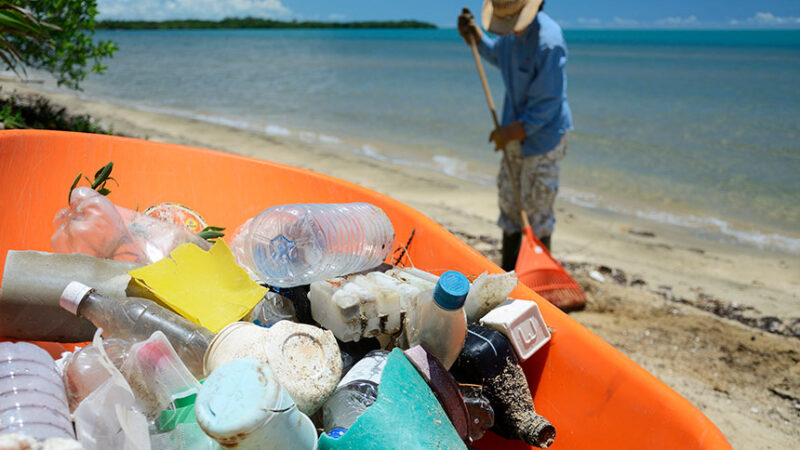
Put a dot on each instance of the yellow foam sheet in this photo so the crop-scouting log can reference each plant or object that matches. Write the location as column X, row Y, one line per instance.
column 206, row 287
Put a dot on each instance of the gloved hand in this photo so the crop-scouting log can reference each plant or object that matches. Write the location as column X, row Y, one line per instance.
column 467, row 27
column 502, row 135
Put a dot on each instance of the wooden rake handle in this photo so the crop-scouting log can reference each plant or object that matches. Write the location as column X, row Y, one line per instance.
column 488, row 93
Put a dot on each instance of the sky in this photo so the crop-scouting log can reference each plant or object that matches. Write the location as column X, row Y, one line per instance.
column 570, row 13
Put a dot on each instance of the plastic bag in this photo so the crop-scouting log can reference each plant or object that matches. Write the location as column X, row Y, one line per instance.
column 84, row 370
column 106, row 418
column 94, row 226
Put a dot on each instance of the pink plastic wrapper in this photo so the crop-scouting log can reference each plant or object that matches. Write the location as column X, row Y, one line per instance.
column 94, row 226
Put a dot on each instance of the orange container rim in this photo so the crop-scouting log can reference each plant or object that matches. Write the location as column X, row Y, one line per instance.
column 594, row 395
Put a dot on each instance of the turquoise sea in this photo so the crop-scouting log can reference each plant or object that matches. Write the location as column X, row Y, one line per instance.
column 696, row 128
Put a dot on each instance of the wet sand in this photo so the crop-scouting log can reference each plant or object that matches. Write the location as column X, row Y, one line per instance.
column 719, row 323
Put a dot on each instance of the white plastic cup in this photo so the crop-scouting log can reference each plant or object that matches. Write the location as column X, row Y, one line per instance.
column 32, row 397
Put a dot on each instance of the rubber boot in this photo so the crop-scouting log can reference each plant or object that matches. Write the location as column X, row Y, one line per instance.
column 511, row 243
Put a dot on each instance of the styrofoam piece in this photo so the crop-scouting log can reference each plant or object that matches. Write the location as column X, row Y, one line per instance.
column 420, row 279
column 488, row 291
column 522, row 323
column 359, row 306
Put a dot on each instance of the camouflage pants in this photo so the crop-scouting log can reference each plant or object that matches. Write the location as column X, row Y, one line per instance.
column 538, row 183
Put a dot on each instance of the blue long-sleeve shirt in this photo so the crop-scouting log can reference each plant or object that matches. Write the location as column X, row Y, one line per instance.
column 533, row 70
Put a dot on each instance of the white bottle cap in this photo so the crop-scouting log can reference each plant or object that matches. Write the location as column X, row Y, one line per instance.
column 72, row 296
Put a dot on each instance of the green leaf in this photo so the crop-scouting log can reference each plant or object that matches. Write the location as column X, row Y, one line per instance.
column 74, row 184
column 210, row 235
column 102, row 174
column 211, row 228
column 103, row 191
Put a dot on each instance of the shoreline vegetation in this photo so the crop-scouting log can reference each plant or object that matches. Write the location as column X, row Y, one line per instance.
column 253, row 23
column 34, row 111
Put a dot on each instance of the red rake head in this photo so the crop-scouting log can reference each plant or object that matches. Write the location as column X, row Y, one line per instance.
column 540, row 272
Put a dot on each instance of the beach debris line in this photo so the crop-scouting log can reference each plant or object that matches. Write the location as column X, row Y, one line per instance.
column 302, row 328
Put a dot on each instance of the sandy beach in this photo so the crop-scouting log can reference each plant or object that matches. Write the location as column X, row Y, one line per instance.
column 719, row 323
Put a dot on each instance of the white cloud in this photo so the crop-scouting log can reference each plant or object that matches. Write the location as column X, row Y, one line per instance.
column 767, row 18
column 589, row 21
column 336, row 16
column 675, row 21
column 619, row 21
column 189, row 9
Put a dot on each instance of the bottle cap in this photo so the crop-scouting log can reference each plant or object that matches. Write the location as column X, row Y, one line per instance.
column 451, row 290
column 336, row 433
column 72, row 296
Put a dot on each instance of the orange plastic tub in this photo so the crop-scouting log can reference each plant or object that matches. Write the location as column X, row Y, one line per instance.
column 594, row 395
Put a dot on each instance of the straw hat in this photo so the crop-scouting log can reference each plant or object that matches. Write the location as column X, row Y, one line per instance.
column 508, row 16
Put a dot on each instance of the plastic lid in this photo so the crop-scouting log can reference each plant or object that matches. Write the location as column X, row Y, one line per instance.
column 451, row 290
column 72, row 296
column 239, row 398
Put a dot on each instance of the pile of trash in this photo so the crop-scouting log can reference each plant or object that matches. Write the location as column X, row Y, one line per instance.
column 297, row 336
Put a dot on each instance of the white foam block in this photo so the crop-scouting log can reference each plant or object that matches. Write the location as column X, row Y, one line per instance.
column 522, row 323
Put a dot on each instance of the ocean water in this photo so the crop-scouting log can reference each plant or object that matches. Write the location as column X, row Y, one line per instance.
column 695, row 128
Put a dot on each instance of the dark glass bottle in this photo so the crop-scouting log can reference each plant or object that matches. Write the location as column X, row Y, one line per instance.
column 488, row 359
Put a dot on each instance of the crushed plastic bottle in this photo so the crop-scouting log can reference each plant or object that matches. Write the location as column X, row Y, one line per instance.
column 357, row 391
column 242, row 405
column 32, row 398
column 297, row 244
column 436, row 318
column 135, row 319
column 84, row 372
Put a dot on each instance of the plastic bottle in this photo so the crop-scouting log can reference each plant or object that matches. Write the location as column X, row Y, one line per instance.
column 271, row 310
column 353, row 352
column 135, row 319
column 357, row 391
column 488, row 359
column 242, row 405
column 437, row 320
column 84, row 372
column 32, row 399
column 292, row 245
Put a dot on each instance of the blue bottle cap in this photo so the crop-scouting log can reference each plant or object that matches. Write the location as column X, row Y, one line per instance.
column 336, row 433
column 451, row 290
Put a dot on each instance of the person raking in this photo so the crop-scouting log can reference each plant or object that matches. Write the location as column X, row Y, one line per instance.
column 531, row 54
